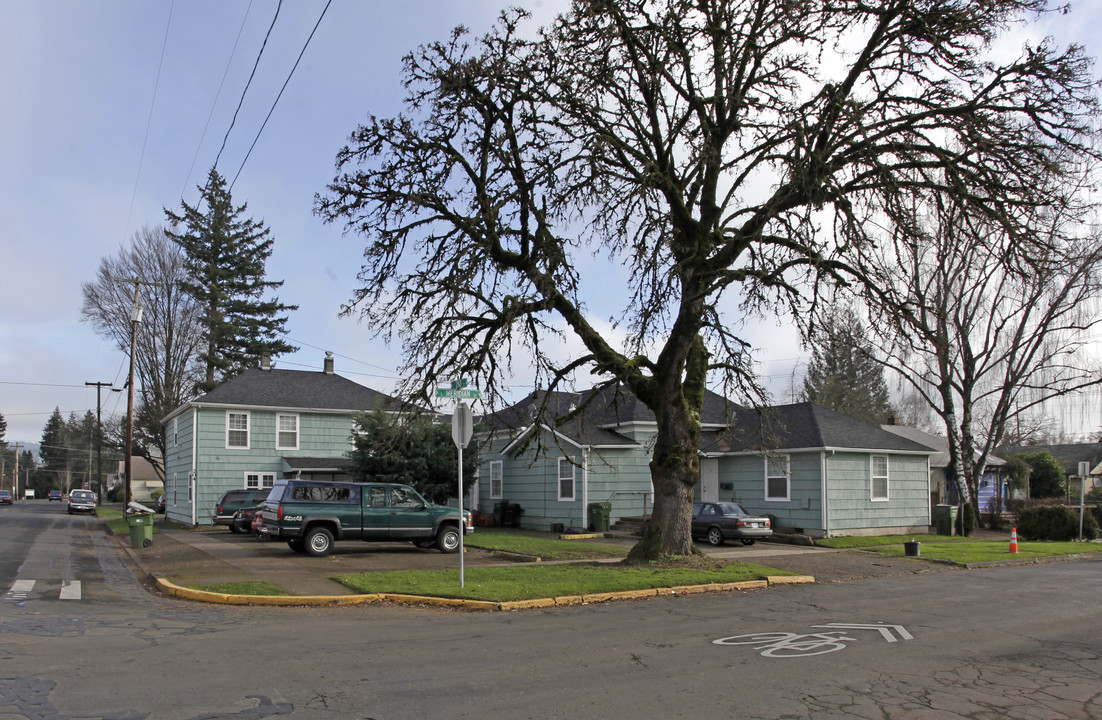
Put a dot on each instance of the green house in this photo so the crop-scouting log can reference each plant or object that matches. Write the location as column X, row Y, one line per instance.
column 258, row 426
column 817, row 472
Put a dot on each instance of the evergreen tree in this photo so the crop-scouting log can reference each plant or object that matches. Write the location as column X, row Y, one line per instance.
column 226, row 253
column 844, row 375
column 412, row 450
column 53, row 449
column 3, row 432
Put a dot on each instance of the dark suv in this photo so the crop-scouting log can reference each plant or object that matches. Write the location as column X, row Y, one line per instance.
column 233, row 501
column 311, row 514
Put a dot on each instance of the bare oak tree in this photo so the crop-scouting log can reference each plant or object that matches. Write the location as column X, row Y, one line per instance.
column 723, row 152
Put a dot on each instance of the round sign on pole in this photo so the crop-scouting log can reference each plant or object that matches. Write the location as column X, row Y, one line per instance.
column 462, row 425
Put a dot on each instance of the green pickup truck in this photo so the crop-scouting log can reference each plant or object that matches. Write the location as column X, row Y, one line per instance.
column 311, row 514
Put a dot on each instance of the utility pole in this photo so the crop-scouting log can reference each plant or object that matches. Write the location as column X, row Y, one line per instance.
column 135, row 318
column 99, row 436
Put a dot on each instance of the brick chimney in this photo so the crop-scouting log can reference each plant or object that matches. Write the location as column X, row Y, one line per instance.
column 328, row 363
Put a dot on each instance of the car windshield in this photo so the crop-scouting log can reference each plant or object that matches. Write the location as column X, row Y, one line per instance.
column 731, row 509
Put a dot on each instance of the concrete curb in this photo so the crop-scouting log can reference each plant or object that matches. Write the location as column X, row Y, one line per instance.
column 172, row 590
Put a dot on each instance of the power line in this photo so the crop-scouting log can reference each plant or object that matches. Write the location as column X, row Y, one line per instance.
column 276, row 101
column 149, row 120
column 247, row 84
column 213, row 105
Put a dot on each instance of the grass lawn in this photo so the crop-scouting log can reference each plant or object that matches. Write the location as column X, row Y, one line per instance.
column 861, row 542
column 988, row 551
column 545, row 547
column 528, row 582
column 249, row 587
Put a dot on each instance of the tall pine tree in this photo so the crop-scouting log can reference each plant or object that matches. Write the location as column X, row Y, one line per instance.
column 844, row 375
column 226, row 255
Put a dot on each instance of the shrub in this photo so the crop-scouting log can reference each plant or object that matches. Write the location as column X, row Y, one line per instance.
column 967, row 520
column 1053, row 522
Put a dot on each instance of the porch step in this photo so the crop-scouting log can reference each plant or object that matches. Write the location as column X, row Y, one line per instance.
column 630, row 525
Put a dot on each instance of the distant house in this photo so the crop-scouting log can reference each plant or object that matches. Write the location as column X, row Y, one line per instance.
column 816, row 471
column 943, row 488
column 1069, row 456
column 258, row 426
column 819, row 472
column 145, row 480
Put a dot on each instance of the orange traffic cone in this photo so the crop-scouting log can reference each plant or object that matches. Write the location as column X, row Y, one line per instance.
column 1014, row 540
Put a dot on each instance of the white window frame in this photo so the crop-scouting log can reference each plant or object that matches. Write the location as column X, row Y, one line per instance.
column 571, row 477
column 175, row 432
column 873, row 477
column 787, row 461
column 256, row 480
column 497, row 479
column 247, row 429
column 280, row 431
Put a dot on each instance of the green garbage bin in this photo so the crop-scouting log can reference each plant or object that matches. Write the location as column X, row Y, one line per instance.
column 141, row 529
column 499, row 513
column 599, row 516
column 945, row 519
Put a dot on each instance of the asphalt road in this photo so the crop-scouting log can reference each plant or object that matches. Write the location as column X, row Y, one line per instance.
column 1021, row 642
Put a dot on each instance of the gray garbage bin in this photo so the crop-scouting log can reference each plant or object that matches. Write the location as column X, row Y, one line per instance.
column 141, row 529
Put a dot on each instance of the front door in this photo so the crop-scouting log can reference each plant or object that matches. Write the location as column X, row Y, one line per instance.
column 709, row 480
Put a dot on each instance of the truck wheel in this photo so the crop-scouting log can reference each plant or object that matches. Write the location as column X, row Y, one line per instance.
column 298, row 545
column 319, row 542
column 447, row 540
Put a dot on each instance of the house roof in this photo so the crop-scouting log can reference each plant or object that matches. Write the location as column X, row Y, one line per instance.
column 298, row 389
column 936, row 442
column 1069, row 456
column 599, row 413
column 805, row 426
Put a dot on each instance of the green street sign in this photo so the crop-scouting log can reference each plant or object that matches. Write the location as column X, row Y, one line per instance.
column 458, row 393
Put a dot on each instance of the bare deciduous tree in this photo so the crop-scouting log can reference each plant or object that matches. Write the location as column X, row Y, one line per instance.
column 168, row 338
column 723, row 152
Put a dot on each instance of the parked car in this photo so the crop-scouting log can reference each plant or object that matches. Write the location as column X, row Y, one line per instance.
column 717, row 522
column 54, row 495
column 159, row 503
column 309, row 515
column 245, row 520
column 233, row 501
column 5, row 497
column 82, row 501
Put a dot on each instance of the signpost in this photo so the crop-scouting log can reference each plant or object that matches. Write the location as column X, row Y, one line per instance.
column 462, row 429
column 1084, row 473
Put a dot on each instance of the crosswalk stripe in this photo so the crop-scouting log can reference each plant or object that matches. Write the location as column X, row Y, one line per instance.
column 21, row 590
column 70, row 590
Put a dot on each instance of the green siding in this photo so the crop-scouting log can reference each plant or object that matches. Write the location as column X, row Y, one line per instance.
column 849, row 499
column 218, row 468
column 619, row 476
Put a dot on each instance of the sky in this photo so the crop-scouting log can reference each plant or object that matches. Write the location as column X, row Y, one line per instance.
column 116, row 109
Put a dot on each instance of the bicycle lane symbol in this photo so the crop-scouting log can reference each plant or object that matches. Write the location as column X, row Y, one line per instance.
column 788, row 645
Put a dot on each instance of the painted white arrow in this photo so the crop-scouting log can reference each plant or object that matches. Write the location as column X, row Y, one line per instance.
column 884, row 630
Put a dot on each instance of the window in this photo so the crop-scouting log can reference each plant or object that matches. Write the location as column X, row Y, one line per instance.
column 258, row 481
column 324, row 493
column 404, row 497
column 566, row 479
column 237, row 430
column 175, row 432
column 287, row 432
column 778, row 478
column 495, row 480
column 879, row 477
column 376, row 497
